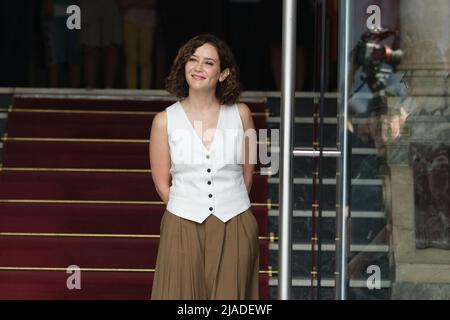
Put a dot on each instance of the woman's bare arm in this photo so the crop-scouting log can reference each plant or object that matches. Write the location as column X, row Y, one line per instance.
column 160, row 156
column 250, row 145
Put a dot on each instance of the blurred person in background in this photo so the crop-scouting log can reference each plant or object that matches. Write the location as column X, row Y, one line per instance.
column 62, row 44
column 101, row 33
column 304, row 41
column 139, row 29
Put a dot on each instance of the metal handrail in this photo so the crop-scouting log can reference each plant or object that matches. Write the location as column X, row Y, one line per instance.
column 286, row 145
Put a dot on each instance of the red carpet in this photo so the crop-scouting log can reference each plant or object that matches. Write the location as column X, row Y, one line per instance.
column 107, row 220
column 100, row 285
column 92, row 125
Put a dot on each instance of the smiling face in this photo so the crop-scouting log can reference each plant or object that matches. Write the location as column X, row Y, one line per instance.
column 202, row 70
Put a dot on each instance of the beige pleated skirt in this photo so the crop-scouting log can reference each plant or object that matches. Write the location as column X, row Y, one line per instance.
column 208, row 261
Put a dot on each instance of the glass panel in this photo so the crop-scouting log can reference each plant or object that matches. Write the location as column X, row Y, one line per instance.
column 127, row 45
column 400, row 118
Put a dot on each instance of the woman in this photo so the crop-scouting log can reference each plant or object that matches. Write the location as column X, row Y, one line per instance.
column 209, row 237
column 139, row 22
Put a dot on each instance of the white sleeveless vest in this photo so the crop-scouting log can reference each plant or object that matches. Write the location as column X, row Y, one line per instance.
column 206, row 182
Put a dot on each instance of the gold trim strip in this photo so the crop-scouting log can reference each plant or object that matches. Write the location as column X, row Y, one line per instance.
column 94, row 111
column 79, row 201
column 97, row 202
column 272, row 237
column 94, row 269
column 81, row 269
column 74, row 140
column 6, row 138
column 82, row 235
column 83, row 111
column 6, row 109
column 270, row 271
column 87, row 235
column 274, row 205
column 75, row 170
column 83, row 170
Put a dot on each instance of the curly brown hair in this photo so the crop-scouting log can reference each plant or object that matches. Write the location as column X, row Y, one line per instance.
column 227, row 91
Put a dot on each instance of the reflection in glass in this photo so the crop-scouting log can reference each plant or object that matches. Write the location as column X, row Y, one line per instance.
column 400, row 139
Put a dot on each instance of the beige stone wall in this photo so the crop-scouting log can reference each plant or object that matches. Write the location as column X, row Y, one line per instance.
column 412, row 265
column 425, row 35
column 425, row 39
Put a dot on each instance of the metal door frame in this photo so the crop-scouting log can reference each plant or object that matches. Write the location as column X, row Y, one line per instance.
column 287, row 151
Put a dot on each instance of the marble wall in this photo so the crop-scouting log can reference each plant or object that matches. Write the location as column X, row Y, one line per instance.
column 421, row 272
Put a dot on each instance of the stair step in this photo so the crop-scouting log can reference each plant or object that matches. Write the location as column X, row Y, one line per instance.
column 106, row 222
column 47, row 154
column 110, row 104
column 63, row 125
column 91, row 104
column 93, row 186
column 329, row 283
column 92, row 155
column 87, row 125
column 77, row 186
column 332, row 214
column 332, row 247
column 330, row 182
column 61, row 252
column 92, row 218
column 51, row 285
